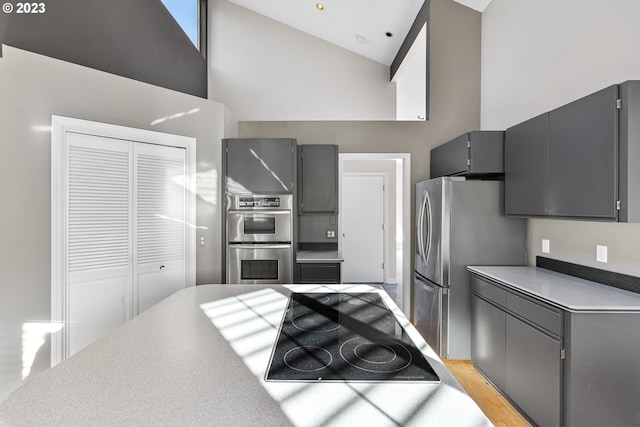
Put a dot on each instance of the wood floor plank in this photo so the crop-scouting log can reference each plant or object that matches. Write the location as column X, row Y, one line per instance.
column 494, row 405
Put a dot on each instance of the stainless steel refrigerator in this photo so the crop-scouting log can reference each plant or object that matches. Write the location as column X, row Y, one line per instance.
column 459, row 222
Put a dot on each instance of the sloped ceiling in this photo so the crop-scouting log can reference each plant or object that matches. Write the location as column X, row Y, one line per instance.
column 372, row 28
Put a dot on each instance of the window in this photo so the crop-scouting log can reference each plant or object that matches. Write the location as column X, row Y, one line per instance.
column 186, row 13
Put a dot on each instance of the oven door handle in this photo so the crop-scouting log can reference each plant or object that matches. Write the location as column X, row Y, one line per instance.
column 259, row 212
column 259, row 246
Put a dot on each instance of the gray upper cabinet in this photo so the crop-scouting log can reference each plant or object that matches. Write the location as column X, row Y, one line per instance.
column 583, row 156
column 318, row 179
column 260, row 166
column 629, row 152
column 581, row 160
column 525, row 174
column 472, row 153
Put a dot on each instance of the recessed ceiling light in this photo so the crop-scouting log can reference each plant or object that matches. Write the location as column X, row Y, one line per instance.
column 388, row 34
column 319, row 6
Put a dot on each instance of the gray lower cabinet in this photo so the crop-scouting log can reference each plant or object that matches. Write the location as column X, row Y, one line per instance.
column 602, row 369
column 259, row 165
column 488, row 340
column 321, row 273
column 533, row 371
column 517, row 343
column 573, row 367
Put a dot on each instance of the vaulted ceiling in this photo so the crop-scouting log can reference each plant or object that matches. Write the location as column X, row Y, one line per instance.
column 372, row 28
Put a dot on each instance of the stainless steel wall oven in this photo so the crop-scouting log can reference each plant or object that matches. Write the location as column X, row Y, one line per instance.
column 259, row 235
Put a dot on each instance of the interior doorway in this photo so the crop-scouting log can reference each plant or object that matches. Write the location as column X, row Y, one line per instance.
column 395, row 167
column 363, row 228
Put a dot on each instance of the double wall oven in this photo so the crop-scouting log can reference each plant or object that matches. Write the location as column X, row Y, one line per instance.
column 259, row 236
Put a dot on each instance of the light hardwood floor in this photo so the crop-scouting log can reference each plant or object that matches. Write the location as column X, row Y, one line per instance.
column 492, row 403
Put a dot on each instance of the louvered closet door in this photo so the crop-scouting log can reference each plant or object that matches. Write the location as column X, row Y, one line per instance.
column 99, row 262
column 160, row 221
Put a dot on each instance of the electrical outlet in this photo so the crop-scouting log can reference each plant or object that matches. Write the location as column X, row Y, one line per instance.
column 545, row 246
column 601, row 253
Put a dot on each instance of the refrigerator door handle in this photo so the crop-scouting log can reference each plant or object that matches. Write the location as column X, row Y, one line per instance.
column 419, row 225
column 427, row 235
column 421, row 230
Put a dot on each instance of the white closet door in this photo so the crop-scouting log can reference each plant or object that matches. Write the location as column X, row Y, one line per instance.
column 160, row 220
column 120, row 239
column 99, row 262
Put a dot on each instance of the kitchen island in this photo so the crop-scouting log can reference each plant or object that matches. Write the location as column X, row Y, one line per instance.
column 199, row 358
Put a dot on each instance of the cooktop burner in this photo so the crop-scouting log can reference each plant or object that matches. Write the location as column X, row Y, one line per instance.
column 344, row 336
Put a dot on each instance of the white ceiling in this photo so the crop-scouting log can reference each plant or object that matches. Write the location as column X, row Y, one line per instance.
column 357, row 25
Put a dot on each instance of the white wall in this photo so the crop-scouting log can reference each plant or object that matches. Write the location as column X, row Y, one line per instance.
column 411, row 84
column 538, row 55
column 264, row 70
column 32, row 88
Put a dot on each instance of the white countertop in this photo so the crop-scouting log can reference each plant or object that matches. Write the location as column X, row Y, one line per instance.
column 309, row 257
column 199, row 358
column 567, row 292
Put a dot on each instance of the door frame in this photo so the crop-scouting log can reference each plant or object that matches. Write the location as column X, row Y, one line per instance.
column 385, row 205
column 405, row 159
column 60, row 127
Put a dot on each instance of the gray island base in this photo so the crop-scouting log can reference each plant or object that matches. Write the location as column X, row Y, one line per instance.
column 199, row 358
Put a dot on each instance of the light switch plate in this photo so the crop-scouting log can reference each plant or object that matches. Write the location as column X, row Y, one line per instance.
column 545, row 246
column 601, row 253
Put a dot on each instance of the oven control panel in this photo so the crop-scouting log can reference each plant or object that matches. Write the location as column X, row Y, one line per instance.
column 259, row 202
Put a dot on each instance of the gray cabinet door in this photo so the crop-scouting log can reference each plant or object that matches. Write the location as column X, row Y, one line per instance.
column 473, row 153
column 629, row 152
column 525, row 153
column 450, row 158
column 318, row 168
column 488, row 331
column 260, row 166
column 486, row 152
column 583, row 156
column 534, row 372
column 319, row 273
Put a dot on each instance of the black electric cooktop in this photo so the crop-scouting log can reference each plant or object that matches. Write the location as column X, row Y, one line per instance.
column 344, row 337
